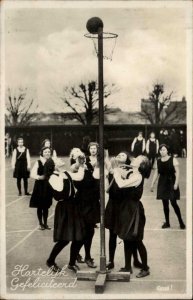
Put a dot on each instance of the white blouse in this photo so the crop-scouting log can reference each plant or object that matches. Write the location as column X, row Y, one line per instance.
column 134, row 179
column 34, row 171
column 57, row 182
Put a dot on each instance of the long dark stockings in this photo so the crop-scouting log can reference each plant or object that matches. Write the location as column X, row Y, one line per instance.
column 25, row 182
column 128, row 249
column 112, row 245
column 175, row 207
column 132, row 246
column 74, row 249
column 88, row 243
column 19, row 184
column 143, row 254
column 42, row 212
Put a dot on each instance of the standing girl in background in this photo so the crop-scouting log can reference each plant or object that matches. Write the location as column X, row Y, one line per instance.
column 21, row 165
column 167, row 170
column 47, row 143
column 42, row 193
column 152, row 147
column 138, row 145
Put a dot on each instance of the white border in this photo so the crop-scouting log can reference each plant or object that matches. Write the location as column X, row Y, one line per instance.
column 103, row 4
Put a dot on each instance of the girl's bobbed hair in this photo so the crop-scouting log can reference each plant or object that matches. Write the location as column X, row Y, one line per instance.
column 93, row 144
column 128, row 160
column 20, row 138
column 44, row 148
column 166, row 146
column 44, row 141
column 145, row 167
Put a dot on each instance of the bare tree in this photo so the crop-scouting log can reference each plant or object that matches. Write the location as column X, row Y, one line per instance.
column 18, row 107
column 155, row 108
column 83, row 100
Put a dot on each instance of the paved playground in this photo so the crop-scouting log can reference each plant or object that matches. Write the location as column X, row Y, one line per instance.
column 27, row 249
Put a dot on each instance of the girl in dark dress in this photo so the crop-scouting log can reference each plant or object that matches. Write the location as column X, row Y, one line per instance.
column 21, row 165
column 167, row 170
column 138, row 145
column 88, row 199
column 122, row 161
column 47, row 143
column 68, row 223
column 129, row 221
column 152, row 147
column 42, row 194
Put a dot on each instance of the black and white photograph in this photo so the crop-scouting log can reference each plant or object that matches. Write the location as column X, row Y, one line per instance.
column 96, row 149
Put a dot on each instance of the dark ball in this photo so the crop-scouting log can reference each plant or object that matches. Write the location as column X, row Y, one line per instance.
column 93, row 24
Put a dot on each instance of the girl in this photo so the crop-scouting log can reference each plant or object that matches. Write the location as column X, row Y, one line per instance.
column 122, row 161
column 42, row 194
column 68, row 224
column 88, row 195
column 130, row 221
column 152, row 147
column 21, row 165
column 167, row 170
column 47, row 143
column 138, row 145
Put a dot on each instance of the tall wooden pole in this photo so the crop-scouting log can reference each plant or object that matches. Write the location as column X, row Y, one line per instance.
column 101, row 151
column 103, row 275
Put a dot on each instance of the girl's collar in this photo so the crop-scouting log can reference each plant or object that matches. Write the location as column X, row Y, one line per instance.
column 21, row 148
column 163, row 158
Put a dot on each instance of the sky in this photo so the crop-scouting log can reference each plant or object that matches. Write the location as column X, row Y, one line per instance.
column 45, row 50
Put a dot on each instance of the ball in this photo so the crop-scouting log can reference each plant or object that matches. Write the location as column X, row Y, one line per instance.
column 93, row 24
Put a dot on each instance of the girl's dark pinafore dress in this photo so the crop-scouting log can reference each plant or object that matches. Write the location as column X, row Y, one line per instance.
column 42, row 193
column 21, row 170
column 68, row 222
column 165, row 188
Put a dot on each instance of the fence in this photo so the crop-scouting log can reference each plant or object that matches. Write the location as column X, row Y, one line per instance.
column 65, row 137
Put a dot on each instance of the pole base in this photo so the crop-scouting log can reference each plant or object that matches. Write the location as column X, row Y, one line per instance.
column 101, row 278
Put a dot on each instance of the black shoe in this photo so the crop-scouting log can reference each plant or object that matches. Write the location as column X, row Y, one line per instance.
column 143, row 273
column 182, row 226
column 79, row 259
column 27, row 194
column 20, row 194
column 41, row 227
column 53, row 266
column 110, row 266
column 126, row 270
column 138, row 265
column 90, row 263
column 74, row 268
column 47, row 227
column 165, row 225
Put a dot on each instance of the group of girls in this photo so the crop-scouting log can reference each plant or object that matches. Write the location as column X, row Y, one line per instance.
column 78, row 205
column 140, row 147
column 166, row 170
column 176, row 141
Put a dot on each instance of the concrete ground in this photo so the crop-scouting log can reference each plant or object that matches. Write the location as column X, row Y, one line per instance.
column 28, row 248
